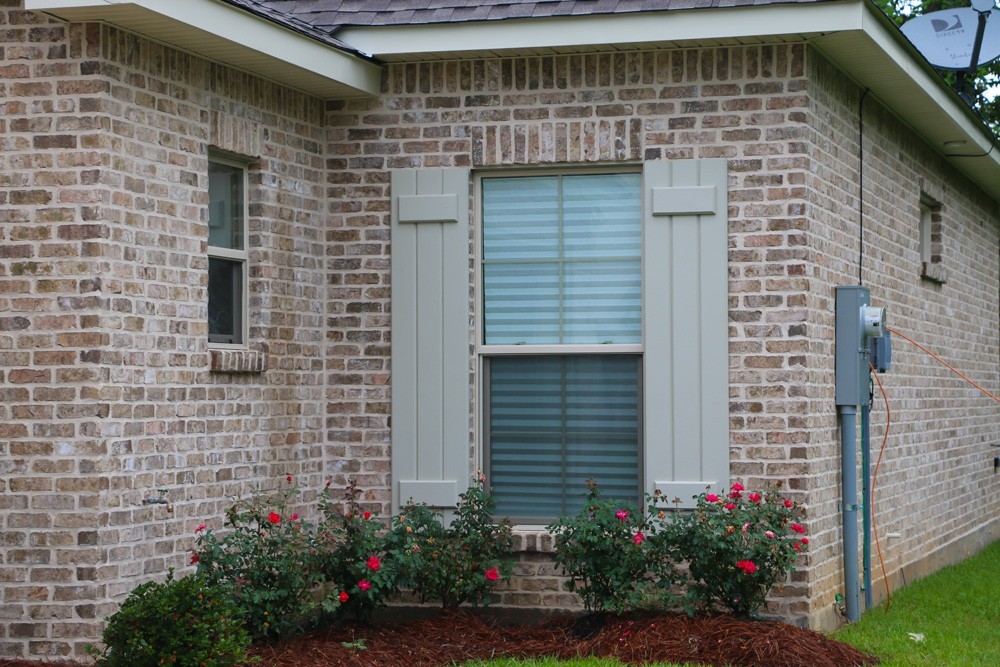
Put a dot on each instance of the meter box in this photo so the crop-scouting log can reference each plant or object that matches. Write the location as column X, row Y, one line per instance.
column 858, row 323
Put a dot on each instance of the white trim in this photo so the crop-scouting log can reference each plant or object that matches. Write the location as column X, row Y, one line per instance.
column 565, row 32
column 228, row 34
column 238, row 255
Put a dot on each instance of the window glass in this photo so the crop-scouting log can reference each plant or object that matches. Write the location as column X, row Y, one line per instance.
column 225, row 212
column 554, row 422
column 562, row 267
column 226, row 253
column 562, row 260
column 225, row 300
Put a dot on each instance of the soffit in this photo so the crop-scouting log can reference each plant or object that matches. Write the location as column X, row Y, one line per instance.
column 225, row 34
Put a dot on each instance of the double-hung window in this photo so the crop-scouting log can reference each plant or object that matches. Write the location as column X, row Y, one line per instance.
column 227, row 255
column 600, row 333
column 561, row 339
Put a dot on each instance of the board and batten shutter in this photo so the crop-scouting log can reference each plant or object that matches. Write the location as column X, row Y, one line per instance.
column 430, row 335
column 685, row 327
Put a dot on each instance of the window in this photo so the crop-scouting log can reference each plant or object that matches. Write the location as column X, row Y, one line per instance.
column 561, row 339
column 600, row 330
column 227, row 256
column 931, row 267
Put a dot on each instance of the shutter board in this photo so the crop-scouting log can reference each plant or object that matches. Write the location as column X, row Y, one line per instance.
column 686, row 327
column 430, row 325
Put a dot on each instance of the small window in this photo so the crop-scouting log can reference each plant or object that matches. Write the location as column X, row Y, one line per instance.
column 561, row 340
column 227, row 255
column 931, row 245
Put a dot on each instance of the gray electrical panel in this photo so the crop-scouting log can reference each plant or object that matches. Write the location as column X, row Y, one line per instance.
column 857, row 323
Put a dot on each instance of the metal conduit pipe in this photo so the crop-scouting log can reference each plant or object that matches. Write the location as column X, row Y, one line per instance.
column 849, row 491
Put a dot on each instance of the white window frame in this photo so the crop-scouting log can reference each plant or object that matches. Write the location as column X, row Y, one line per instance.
column 236, row 255
column 484, row 351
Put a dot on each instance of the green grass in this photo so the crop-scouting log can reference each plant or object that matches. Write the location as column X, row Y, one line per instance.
column 957, row 610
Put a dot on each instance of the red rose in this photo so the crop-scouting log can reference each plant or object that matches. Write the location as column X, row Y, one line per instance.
column 738, row 487
column 730, row 506
column 638, row 538
column 621, row 514
column 788, row 503
column 199, row 528
column 796, row 546
column 711, row 498
column 747, row 566
column 804, row 540
column 367, row 515
column 364, row 584
column 288, row 479
column 754, row 497
column 274, row 517
column 797, row 528
column 374, row 563
column 295, row 517
column 492, row 574
column 344, row 597
column 194, row 558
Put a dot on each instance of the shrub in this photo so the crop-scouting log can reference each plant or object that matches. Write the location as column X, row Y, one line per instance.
column 609, row 550
column 186, row 622
column 453, row 564
column 270, row 563
column 737, row 547
column 354, row 561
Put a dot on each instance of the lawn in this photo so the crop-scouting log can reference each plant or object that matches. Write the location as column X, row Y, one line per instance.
column 954, row 613
column 949, row 619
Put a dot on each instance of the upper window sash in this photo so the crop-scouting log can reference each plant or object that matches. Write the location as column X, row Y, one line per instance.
column 561, row 260
column 227, row 215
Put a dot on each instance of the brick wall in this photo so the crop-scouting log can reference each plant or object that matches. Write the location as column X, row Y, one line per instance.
column 747, row 104
column 108, row 389
column 935, row 488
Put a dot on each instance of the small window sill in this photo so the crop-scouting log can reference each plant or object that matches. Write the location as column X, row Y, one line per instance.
column 237, row 361
column 533, row 539
column 934, row 273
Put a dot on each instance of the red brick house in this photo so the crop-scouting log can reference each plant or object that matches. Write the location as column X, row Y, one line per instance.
column 397, row 242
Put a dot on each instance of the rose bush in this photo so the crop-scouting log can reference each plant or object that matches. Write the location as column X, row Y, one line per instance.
column 610, row 552
column 457, row 563
column 737, row 547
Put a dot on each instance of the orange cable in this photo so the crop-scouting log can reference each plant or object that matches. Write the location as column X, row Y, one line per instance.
column 878, row 462
column 945, row 364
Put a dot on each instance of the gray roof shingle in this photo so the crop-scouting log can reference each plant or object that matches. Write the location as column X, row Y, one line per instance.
column 325, row 16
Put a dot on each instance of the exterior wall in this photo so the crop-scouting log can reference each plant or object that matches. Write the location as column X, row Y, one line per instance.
column 107, row 392
column 936, row 497
column 747, row 104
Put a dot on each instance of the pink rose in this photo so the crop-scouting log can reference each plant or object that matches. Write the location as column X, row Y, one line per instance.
column 492, row 574
column 621, row 514
column 638, row 538
column 199, row 528
column 364, row 584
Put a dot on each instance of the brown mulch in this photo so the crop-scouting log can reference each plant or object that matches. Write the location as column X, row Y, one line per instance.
column 459, row 636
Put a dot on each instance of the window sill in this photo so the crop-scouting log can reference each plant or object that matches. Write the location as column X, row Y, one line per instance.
column 533, row 539
column 934, row 273
column 237, row 361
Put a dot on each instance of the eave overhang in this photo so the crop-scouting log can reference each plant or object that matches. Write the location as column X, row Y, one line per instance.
column 853, row 34
column 229, row 35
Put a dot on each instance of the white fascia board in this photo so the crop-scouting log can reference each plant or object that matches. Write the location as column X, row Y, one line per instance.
column 435, row 40
column 234, row 28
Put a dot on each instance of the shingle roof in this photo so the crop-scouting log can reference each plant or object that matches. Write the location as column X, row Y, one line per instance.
column 328, row 15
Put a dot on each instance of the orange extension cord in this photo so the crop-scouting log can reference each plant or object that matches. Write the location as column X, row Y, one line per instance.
column 885, row 437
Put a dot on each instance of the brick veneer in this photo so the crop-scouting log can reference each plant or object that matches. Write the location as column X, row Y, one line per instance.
column 109, row 392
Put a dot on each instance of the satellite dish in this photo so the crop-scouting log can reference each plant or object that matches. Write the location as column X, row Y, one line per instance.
column 947, row 38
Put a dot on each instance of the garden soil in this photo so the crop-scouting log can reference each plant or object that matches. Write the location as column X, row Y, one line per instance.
column 455, row 637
